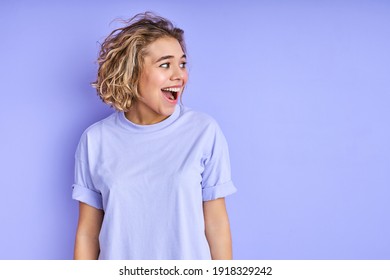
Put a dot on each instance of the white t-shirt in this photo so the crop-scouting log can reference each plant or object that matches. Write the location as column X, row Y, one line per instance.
column 151, row 181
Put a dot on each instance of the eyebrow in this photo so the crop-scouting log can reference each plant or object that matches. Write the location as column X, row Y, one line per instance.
column 169, row 57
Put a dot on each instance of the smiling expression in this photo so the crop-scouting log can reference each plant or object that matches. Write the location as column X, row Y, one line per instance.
column 161, row 83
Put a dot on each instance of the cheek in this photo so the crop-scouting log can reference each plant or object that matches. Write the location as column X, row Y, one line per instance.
column 185, row 77
column 158, row 79
column 152, row 78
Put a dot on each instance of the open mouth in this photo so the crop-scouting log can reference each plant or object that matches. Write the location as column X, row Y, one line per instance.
column 171, row 93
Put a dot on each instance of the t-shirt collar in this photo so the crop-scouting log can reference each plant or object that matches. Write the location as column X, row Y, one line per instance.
column 137, row 128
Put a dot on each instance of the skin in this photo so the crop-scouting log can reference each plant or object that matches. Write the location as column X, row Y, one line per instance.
column 217, row 229
column 87, row 235
column 164, row 66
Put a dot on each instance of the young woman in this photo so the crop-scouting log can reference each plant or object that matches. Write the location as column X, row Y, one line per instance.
column 151, row 178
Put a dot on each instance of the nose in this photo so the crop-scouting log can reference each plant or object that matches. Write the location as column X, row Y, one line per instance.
column 178, row 73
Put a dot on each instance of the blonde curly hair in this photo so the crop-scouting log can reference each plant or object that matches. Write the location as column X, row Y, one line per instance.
column 121, row 57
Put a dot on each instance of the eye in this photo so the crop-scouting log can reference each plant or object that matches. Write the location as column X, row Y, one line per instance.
column 165, row 65
column 183, row 65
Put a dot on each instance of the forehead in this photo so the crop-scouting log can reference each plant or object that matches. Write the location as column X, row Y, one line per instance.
column 165, row 46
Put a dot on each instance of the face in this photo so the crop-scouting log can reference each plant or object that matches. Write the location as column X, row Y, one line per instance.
column 162, row 81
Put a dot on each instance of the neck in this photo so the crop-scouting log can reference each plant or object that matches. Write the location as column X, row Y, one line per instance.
column 138, row 115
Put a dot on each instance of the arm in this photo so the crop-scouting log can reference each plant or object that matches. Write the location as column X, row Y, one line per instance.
column 217, row 229
column 87, row 236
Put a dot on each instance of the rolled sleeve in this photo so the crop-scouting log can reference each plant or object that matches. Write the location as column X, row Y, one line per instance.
column 216, row 177
column 218, row 191
column 84, row 189
column 87, row 196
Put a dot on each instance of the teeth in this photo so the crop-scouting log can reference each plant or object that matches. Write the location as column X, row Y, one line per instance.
column 172, row 89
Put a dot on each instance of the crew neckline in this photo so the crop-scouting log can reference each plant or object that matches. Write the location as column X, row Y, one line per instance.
column 138, row 128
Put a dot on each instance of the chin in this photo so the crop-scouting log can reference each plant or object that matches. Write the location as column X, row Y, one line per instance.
column 168, row 112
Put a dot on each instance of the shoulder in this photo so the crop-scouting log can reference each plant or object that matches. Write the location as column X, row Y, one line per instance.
column 92, row 136
column 200, row 126
column 98, row 128
column 197, row 118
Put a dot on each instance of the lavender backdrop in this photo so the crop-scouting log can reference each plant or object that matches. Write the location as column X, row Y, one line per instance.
column 300, row 88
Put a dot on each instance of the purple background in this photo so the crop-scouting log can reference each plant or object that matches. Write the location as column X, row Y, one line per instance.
column 300, row 89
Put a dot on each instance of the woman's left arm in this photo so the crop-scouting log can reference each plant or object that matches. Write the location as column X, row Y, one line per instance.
column 218, row 229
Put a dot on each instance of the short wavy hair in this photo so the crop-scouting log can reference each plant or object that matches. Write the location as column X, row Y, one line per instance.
column 121, row 57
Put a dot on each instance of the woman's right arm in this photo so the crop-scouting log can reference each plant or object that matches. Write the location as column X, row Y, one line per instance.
column 87, row 235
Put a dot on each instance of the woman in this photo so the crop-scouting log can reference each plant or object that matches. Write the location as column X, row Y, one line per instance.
column 152, row 177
